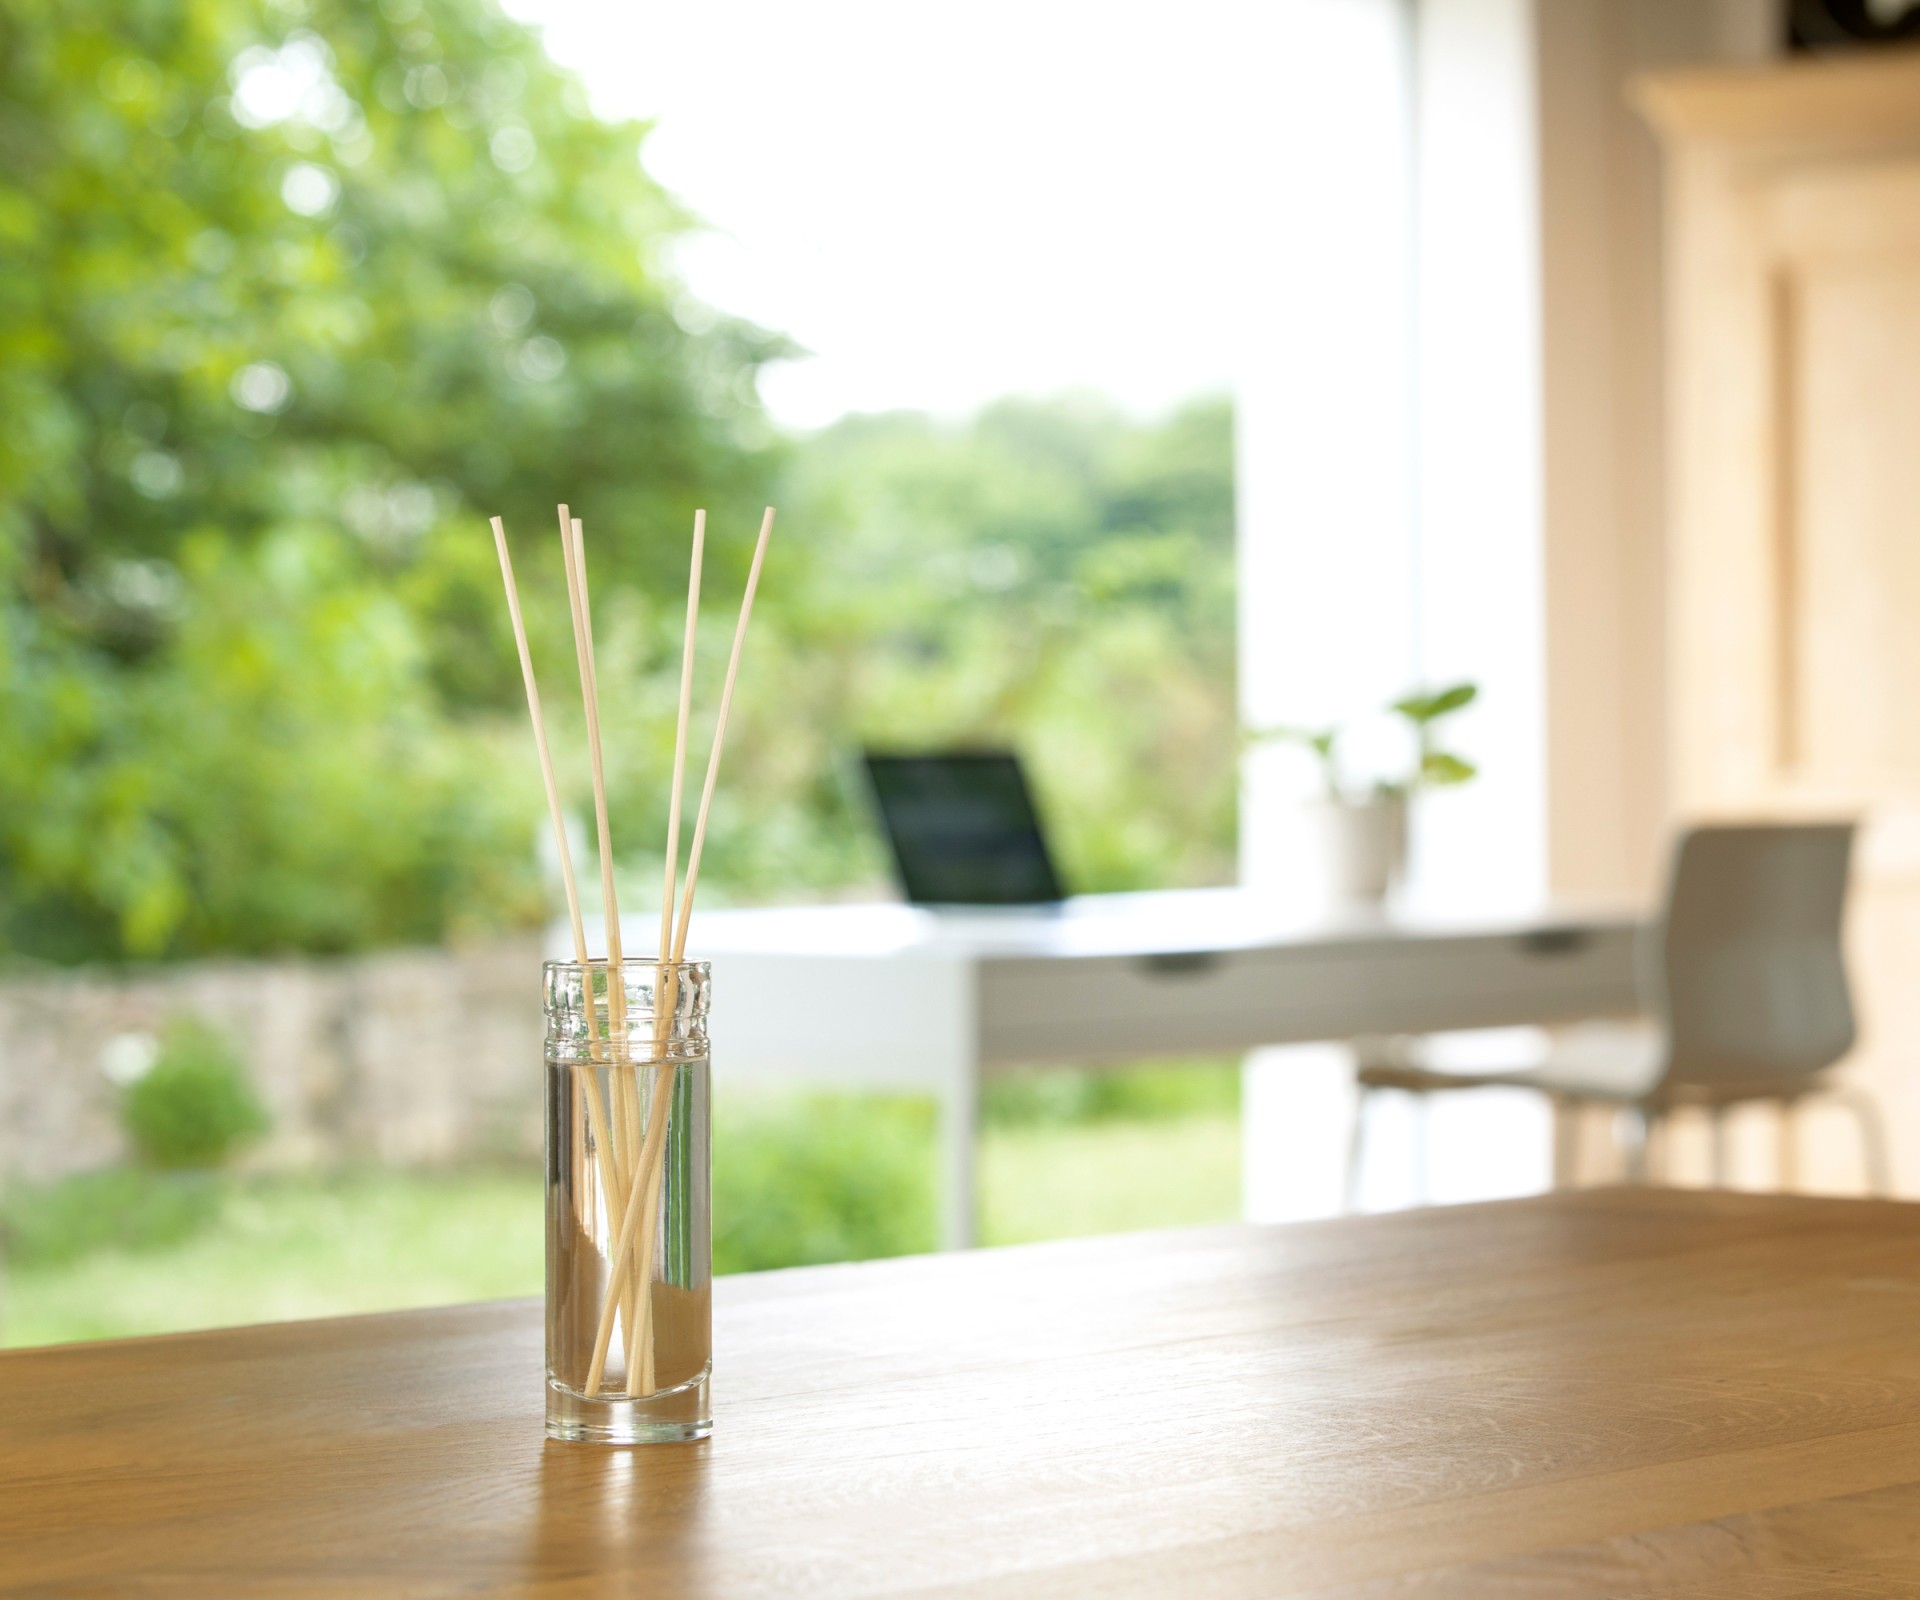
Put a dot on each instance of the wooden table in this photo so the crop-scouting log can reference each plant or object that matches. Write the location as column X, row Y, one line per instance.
column 1609, row 1393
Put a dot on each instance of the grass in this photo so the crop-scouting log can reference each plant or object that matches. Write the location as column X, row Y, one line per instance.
column 1066, row 1183
column 825, row 1178
column 277, row 1248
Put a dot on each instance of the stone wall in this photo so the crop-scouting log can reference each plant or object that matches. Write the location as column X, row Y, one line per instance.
column 408, row 1057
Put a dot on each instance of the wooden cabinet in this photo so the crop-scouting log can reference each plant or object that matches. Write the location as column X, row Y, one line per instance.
column 1793, row 338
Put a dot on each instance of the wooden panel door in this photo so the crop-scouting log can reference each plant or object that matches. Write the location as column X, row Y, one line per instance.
column 1794, row 371
column 1850, row 445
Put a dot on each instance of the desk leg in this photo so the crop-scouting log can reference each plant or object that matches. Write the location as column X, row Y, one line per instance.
column 952, row 1010
column 959, row 1131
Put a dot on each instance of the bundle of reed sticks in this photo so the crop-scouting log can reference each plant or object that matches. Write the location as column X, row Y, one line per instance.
column 629, row 1149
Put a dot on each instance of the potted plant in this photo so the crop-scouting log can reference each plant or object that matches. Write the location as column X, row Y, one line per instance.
column 1363, row 825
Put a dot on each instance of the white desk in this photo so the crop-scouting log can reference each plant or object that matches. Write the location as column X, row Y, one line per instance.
column 890, row 997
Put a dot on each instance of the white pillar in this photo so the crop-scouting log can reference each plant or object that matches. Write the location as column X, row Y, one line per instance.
column 1390, row 517
column 1325, row 484
column 1480, row 590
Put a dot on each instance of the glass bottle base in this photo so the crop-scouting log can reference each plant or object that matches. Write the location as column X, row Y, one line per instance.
column 673, row 1416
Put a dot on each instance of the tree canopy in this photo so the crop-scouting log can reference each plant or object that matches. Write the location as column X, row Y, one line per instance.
column 1049, row 575
column 296, row 294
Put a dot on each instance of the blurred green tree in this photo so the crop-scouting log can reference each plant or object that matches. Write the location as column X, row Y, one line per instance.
column 295, row 292
column 1050, row 574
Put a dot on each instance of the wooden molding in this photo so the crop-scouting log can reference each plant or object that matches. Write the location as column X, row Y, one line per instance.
column 1845, row 103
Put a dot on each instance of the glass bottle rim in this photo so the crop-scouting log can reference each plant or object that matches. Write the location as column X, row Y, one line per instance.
column 651, row 963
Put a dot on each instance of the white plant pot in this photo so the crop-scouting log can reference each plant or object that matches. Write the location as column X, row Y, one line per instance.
column 1364, row 847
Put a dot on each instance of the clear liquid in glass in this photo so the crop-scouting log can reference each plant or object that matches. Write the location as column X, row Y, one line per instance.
column 654, row 1350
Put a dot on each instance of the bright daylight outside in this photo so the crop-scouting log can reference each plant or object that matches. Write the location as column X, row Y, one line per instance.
column 299, row 294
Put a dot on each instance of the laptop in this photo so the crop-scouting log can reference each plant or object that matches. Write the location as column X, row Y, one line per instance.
column 963, row 829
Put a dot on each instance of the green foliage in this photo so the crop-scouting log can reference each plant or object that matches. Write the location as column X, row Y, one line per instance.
column 296, row 292
column 808, row 1178
column 134, row 1252
column 275, row 1247
column 1109, row 1177
column 1049, row 575
column 1069, row 1096
column 1422, row 709
column 822, row 1178
column 1436, row 768
column 123, row 1208
column 194, row 1108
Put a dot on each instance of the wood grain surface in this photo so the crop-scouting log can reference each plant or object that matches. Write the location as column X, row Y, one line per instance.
column 1618, row 1393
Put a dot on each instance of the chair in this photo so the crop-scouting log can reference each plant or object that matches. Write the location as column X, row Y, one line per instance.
column 1745, row 980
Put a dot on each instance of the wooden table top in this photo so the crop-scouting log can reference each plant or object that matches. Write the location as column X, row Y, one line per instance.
column 1607, row 1393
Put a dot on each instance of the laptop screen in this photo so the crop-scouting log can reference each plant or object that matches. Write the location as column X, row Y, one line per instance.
column 963, row 829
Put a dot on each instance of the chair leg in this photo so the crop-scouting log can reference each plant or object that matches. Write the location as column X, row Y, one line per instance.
column 1422, row 1150
column 1717, row 1118
column 1638, row 1123
column 1357, row 1146
column 1787, row 1148
column 1659, row 1147
column 1873, row 1138
column 1566, row 1142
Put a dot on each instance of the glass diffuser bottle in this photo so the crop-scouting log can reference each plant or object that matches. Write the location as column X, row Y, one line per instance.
column 629, row 1203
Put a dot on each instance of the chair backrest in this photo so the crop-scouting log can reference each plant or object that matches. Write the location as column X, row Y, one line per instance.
column 1751, row 974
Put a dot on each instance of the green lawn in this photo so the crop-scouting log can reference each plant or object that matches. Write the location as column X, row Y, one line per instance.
column 261, row 1249
column 1109, row 1177
column 278, row 1248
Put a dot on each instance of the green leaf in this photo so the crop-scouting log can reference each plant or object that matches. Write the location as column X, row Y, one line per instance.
column 1436, row 767
column 1425, row 708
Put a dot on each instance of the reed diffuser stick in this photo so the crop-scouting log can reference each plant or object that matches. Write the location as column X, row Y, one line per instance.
column 623, row 1093
column 622, row 1054
column 572, row 537
column 666, row 976
column 613, row 1190
column 667, row 893
column 720, row 737
column 554, row 813
column 616, row 978
column 667, row 981
column 642, row 1199
column 618, row 1143
column 649, row 1173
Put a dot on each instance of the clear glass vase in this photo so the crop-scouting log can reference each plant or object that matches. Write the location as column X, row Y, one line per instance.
column 629, row 1203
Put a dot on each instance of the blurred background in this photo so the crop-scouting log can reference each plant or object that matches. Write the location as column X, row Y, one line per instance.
column 1127, row 378
column 297, row 294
